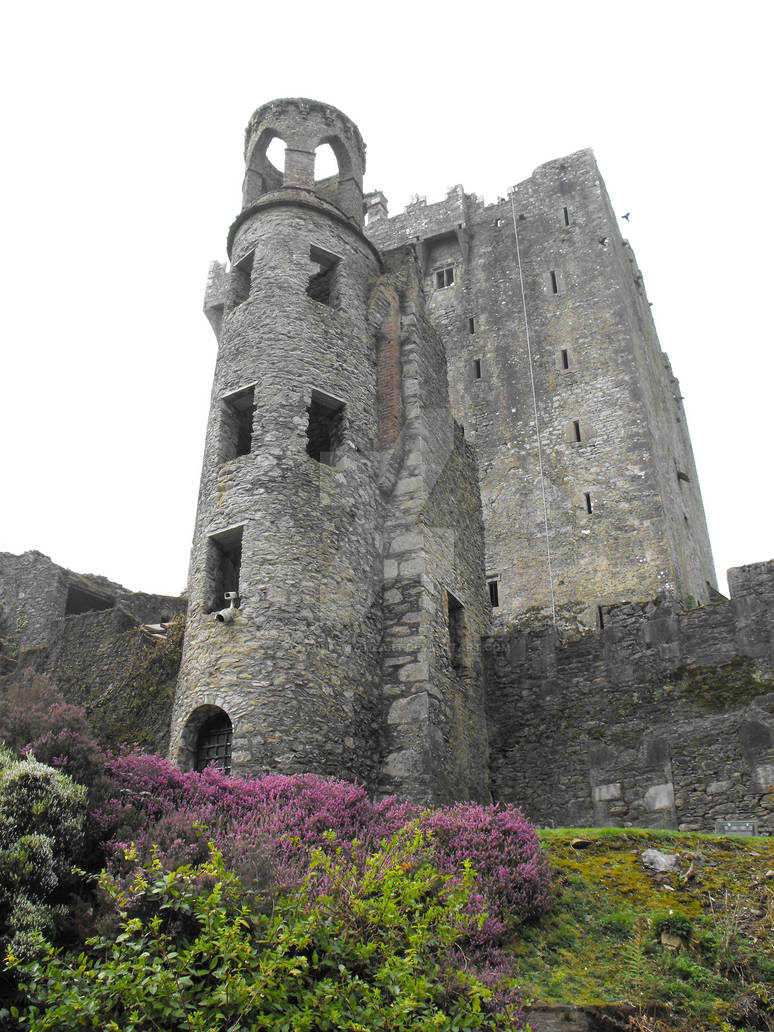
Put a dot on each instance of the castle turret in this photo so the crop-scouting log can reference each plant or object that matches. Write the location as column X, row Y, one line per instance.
column 287, row 540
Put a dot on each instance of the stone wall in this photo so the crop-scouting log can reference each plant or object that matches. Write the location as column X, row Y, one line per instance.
column 124, row 680
column 664, row 719
column 434, row 740
column 35, row 595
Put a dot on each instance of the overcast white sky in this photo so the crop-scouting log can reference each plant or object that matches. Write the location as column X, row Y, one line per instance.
column 123, row 129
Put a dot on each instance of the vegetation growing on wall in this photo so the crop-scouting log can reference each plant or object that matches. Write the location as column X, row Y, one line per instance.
column 723, row 687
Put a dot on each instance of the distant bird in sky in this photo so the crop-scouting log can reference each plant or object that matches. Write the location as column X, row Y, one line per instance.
column 626, row 216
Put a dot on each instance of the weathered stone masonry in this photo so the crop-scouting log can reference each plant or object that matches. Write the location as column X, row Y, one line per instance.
column 350, row 515
column 665, row 719
column 409, row 416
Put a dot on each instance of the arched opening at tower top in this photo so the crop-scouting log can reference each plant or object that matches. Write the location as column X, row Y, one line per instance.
column 326, row 173
column 275, row 154
column 325, row 162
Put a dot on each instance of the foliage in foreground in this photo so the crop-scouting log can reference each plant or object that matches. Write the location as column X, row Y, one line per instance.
column 431, row 917
column 357, row 948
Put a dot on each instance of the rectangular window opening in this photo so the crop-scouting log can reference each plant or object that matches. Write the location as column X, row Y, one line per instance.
column 565, row 359
column 554, row 283
column 236, row 427
column 456, row 631
column 444, row 277
column 587, row 500
column 477, row 368
column 566, row 217
column 323, row 285
column 471, row 325
column 324, row 430
column 224, row 559
column 576, row 430
column 240, row 280
column 494, row 592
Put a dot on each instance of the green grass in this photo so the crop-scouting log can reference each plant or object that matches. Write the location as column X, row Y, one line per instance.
column 602, row 942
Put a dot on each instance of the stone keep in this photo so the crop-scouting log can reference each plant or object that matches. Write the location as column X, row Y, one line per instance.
column 368, row 540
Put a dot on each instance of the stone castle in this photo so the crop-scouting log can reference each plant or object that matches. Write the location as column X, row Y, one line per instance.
column 450, row 540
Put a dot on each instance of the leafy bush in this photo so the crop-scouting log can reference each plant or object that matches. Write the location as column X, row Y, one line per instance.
column 359, row 947
column 674, row 922
column 41, row 834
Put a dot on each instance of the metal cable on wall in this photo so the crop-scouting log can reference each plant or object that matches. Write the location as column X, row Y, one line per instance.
column 535, row 410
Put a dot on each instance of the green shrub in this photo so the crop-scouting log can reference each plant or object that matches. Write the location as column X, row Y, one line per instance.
column 41, row 833
column 674, row 923
column 619, row 923
column 359, row 949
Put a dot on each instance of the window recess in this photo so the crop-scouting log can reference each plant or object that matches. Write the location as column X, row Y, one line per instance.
column 223, row 563
column 325, row 427
column 493, row 587
column 323, row 285
column 240, row 280
column 444, row 277
column 457, row 632
column 236, row 427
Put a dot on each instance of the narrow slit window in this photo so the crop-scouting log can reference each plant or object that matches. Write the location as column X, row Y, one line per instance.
column 576, row 430
column 324, row 430
column 224, row 561
column 236, row 428
column 444, row 277
column 565, row 359
column 554, row 283
column 566, row 217
column 471, row 325
column 494, row 592
column 240, row 281
column 477, row 368
column 323, row 285
column 587, row 500
column 456, row 631
column 600, row 618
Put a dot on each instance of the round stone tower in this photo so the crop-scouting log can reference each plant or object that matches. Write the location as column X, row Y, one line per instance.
column 280, row 667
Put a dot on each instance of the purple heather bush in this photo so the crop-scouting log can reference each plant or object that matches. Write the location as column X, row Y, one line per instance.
column 267, row 827
column 501, row 845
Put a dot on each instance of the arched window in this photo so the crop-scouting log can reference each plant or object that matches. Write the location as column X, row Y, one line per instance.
column 213, row 743
column 325, row 162
column 275, row 154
